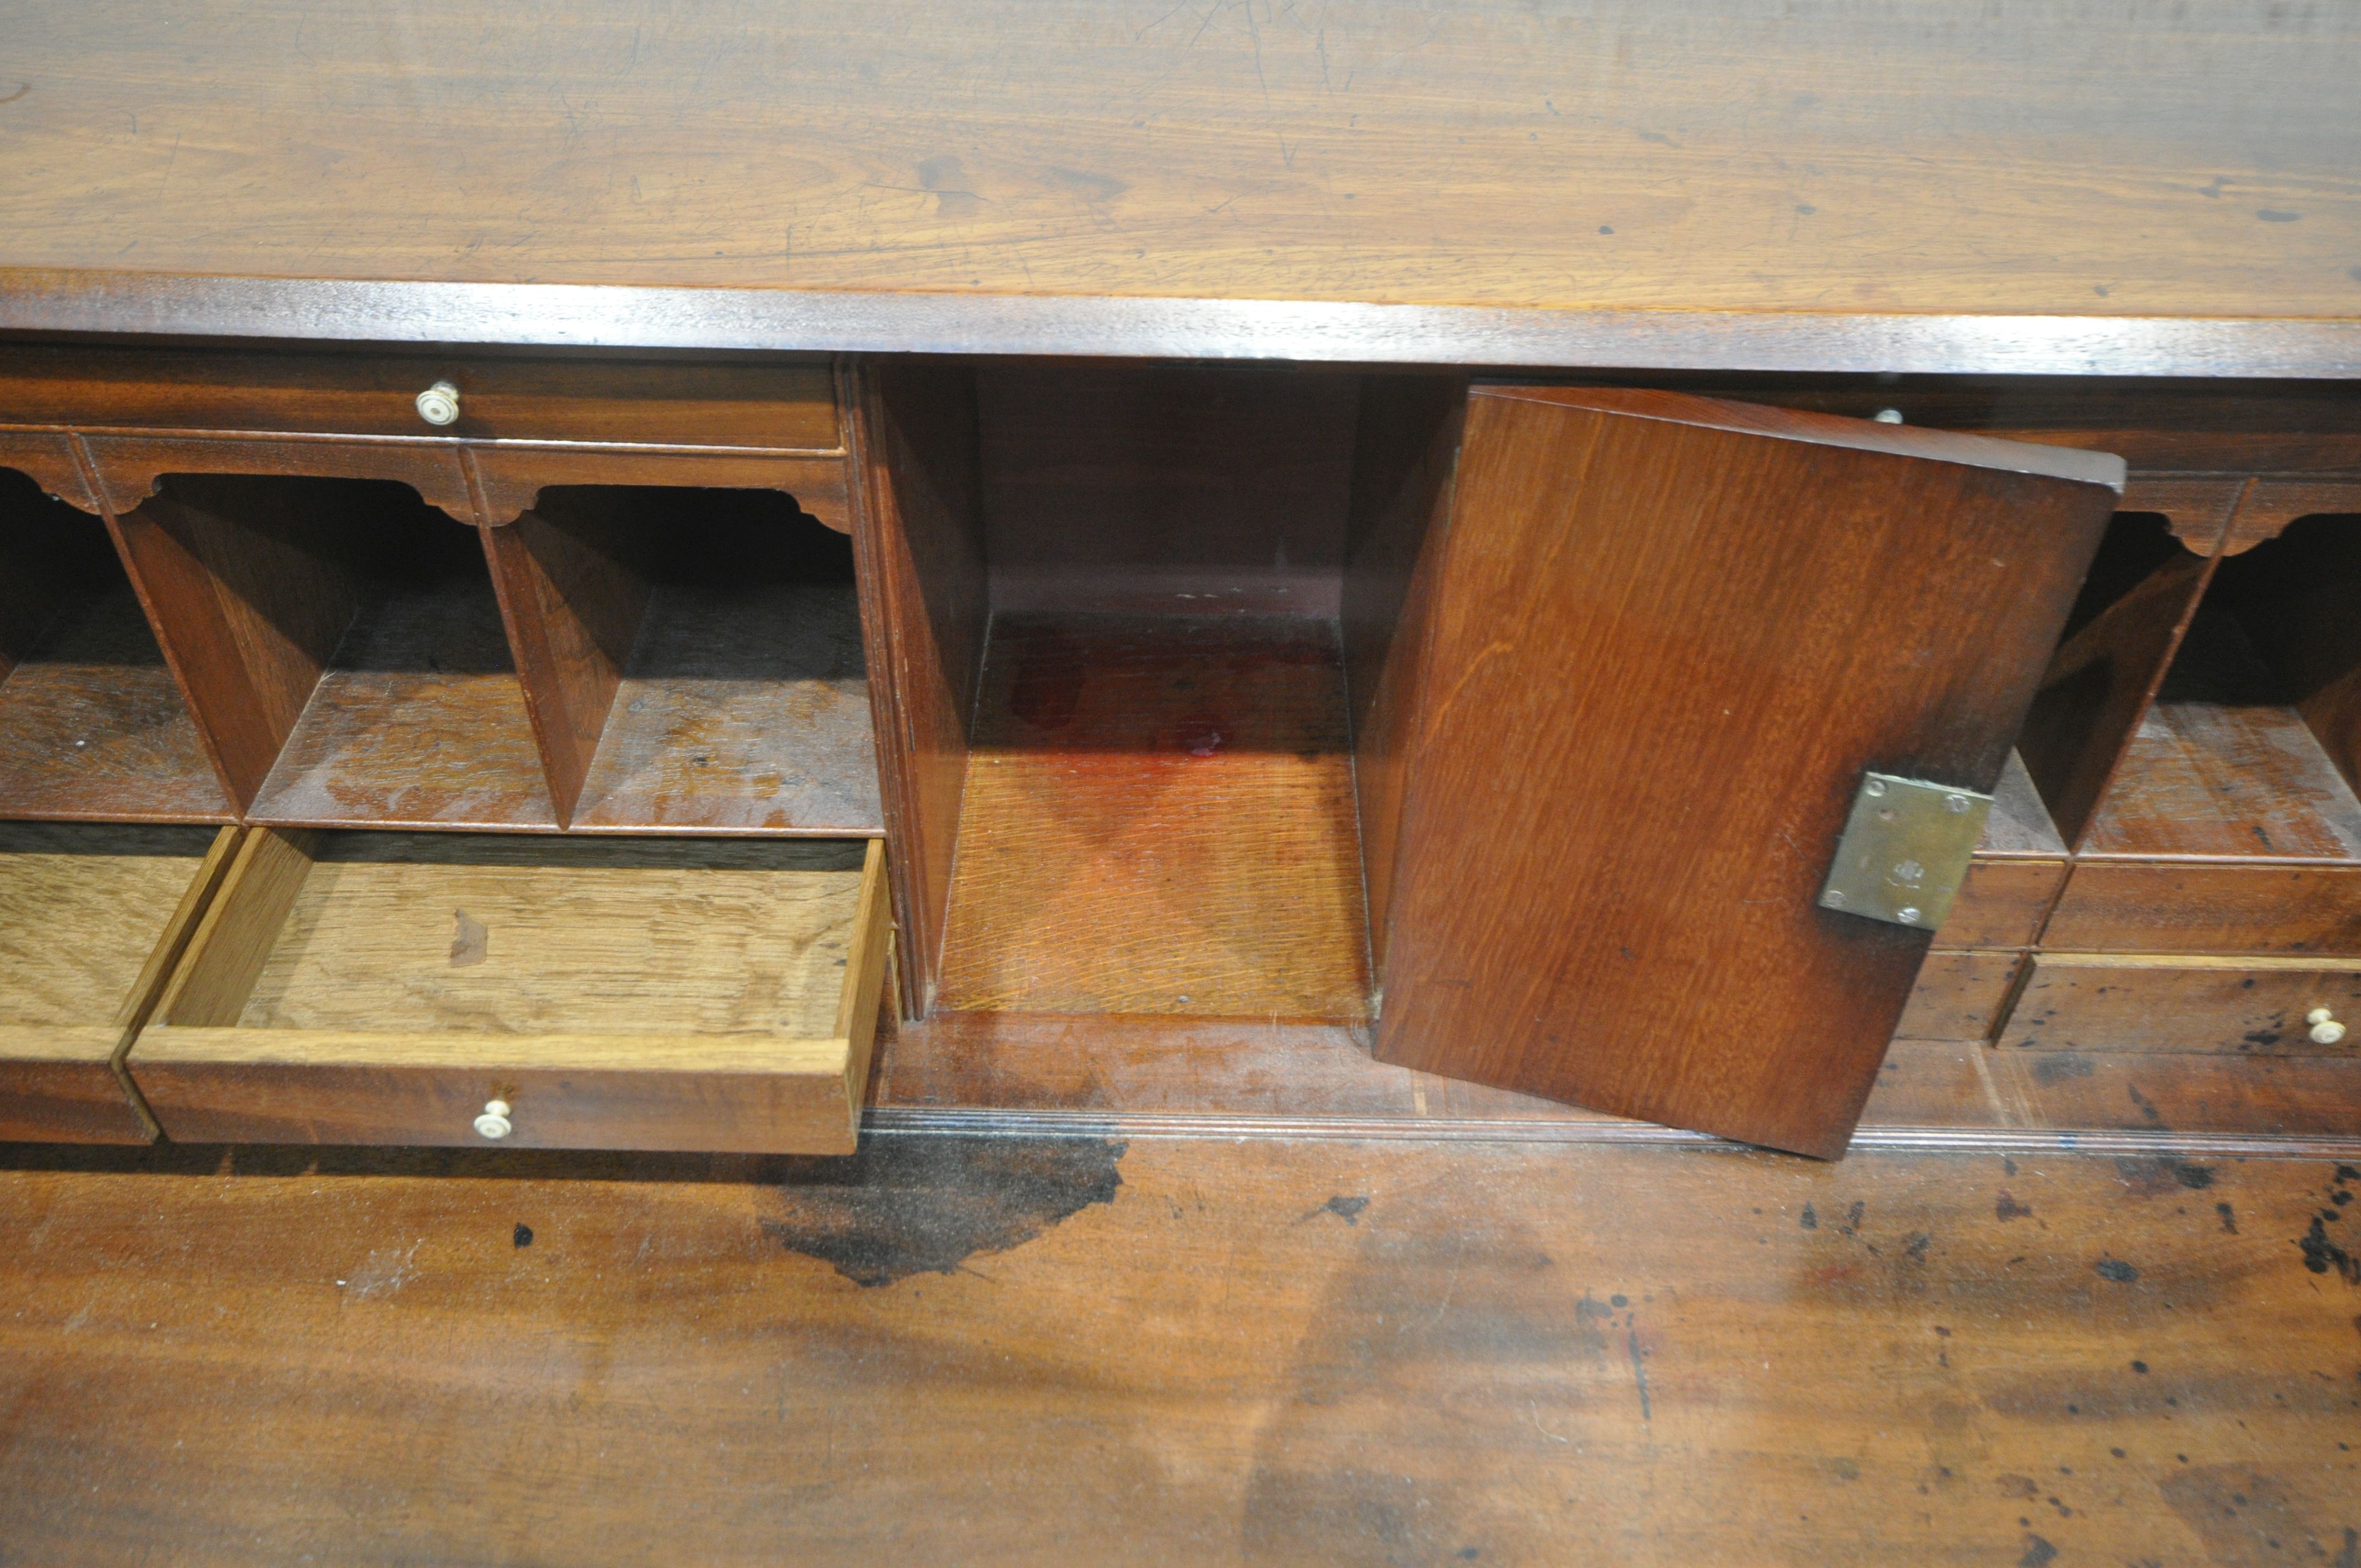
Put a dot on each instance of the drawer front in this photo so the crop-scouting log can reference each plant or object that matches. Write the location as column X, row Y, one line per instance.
column 59, row 1086
column 554, row 1092
column 1959, row 996
column 2126, row 907
column 443, row 989
column 769, row 406
column 2001, row 903
column 2207, row 1007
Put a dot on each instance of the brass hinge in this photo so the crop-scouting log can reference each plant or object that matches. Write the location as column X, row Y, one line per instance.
column 1904, row 851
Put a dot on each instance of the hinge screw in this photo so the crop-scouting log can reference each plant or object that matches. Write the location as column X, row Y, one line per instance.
column 1874, row 786
column 1907, row 915
column 1833, row 899
column 1955, row 804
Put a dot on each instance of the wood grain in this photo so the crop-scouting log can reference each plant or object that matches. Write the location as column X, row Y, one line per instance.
column 1404, row 455
column 250, row 592
column 2222, row 1006
column 925, row 607
column 1176, row 489
column 47, row 459
column 1159, row 817
column 1493, row 158
column 744, row 710
column 511, row 478
column 418, row 719
column 572, row 592
column 2270, row 504
column 1629, row 628
column 2192, row 908
column 131, row 469
column 1184, row 1344
column 635, row 400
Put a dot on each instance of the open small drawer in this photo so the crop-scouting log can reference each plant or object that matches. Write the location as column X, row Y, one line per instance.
column 449, row 989
column 91, row 918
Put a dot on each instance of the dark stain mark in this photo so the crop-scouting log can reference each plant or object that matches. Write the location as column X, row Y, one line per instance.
column 2264, row 1038
column 2354, row 273
column 2008, row 1208
column 916, row 1205
column 2038, row 1551
column 2350, row 1556
column 2017, row 1486
column 1470, row 1553
column 1805, row 208
column 945, row 179
column 2148, row 1177
column 2229, row 1218
column 1346, row 1209
column 2140, row 1367
column 1916, row 1251
column 1810, row 1220
column 16, row 89
column 2007, row 1166
column 2323, row 1256
column 522, row 1235
column 1852, row 1220
column 2100, row 289
column 1606, row 228
column 2116, row 1451
column 1619, row 1302
column 2145, row 1108
column 2057, row 1066
column 1659, row 138
column 2340, row 1199
column 1638, row 1372
column 2347, row 1173
column 2276, row 215
column 2111, row 1269
column 1090, row 186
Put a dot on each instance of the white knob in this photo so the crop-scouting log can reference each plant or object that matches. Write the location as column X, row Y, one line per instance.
column 439, row 404
column 494, row 1122
column 1887, row 416
column 2326, row 1030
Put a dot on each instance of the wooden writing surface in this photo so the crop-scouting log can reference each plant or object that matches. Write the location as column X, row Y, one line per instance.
column 1841, row 183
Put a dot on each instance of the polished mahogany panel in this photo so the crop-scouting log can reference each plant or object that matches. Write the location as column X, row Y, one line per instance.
column 1670, row 635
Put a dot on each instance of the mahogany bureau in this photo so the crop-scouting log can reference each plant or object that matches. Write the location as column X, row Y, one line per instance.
column 558, row 585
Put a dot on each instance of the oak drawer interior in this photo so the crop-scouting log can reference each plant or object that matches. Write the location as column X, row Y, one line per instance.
column 390, row 987
column 90, row 920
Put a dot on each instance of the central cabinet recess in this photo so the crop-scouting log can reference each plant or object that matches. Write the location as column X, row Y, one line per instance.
column 1516, row 722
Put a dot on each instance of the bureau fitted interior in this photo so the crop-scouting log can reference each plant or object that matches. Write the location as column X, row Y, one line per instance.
column 1136, row 634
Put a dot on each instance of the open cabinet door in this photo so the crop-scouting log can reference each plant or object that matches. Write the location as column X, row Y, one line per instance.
column 1654, row 647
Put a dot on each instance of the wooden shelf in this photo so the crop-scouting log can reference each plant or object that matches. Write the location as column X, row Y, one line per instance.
column 1158, row 818
column 417, row 721
column 2224, row 767
column 741, row 700
column 92, row 724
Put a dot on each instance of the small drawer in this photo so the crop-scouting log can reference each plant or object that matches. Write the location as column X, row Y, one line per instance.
column 1959, row 996
column 763, row 405
column 2126, row 906
column 432, row 989
column 90, row 920
column 2000, row 904
column 2107, row 1002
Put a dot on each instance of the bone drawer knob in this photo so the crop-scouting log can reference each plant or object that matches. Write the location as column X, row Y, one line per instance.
column 439, row 404
column 2326, row 1030
column 494, row 1122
